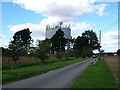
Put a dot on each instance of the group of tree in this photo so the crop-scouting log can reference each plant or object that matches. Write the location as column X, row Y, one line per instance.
column 55, row 45
column 84, row 45
column 21, row 45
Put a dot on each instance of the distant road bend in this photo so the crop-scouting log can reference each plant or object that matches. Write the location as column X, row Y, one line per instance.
column 59, row 78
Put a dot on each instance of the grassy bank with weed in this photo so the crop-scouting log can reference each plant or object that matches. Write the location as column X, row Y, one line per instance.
column 29, row 71
column 96, row 76
column 20, row 65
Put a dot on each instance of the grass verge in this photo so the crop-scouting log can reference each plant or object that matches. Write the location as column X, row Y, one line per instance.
column 20, row 65
column 96, row 76
column 26, row 72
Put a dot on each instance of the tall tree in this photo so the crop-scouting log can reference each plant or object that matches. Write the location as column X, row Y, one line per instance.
column 18, row 45
column 58, row 42
column 24, row 38
column 81, row 47
column 93, row 39
column 81, row 42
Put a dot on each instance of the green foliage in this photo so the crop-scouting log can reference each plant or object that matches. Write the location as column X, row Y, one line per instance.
column 92, row 37
column 25, row 72
column 43, row 49
column 58, row 42
column 81, row 42
column 67, row 54
column 24, row 38
column 84, row 45
column 22, row 65
column 18, row 46
column 96, row 76
column 81, row 47
column 15, row 50
column 76, row 53
column 86, row 52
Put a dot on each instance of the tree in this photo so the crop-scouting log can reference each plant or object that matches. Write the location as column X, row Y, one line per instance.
column 93, row 40
column 86, row 52
column 77, row 47
column 81, row 47
column 118, row 52
column 15, row 51
column 24, row 38
column 17, row 46
column 58, row 42
column 43, row 50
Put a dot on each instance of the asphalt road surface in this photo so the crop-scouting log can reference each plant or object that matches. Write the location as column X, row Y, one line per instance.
column 59, row 78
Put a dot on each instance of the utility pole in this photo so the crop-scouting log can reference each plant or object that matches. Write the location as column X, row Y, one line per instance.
column 99, row 42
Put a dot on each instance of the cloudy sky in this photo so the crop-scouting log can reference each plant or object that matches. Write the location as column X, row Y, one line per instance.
column 80, row 14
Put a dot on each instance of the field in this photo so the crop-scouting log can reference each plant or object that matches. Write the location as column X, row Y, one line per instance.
column 112, row 61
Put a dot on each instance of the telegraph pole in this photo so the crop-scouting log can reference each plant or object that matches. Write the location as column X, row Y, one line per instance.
column 99, row 42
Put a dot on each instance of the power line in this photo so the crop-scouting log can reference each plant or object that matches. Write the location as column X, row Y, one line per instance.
column 113, row 24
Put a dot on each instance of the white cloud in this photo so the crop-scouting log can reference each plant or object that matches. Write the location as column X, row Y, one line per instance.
column 101, row 9
column 77, row 28
column 5, row 44
column 111, row 35
column 110, row 46
column 9, row 26
column 39, row 29
column 58, row 10
column 35, row 28
column 62, row 8
column 2, row 36
column 81, row 26
column 112, row 41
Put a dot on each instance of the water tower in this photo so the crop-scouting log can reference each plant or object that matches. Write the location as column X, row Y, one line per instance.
column 50, row 31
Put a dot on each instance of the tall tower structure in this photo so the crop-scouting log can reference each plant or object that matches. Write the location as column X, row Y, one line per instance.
column 99, row 42
column 50, row 31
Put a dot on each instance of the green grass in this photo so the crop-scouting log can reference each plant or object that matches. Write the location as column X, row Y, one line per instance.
column 96, row 76
column 20, row 65
column 26, row 72
column 8, row 67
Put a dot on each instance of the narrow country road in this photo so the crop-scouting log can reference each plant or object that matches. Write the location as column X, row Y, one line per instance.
column 59, row 78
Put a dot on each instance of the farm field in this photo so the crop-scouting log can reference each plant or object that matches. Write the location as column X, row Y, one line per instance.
column 113, row 63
